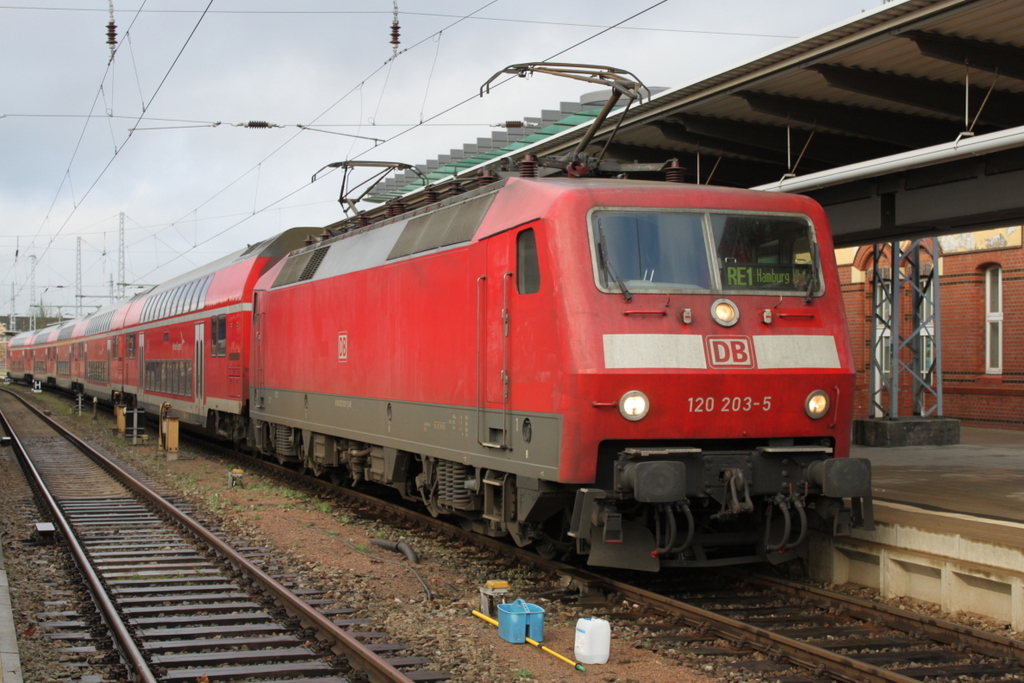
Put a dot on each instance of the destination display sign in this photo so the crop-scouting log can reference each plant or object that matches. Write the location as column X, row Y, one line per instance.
column 765, row 276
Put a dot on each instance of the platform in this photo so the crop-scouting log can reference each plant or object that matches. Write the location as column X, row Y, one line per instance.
column 10, row 664
column 981, row 476
column 950, row 526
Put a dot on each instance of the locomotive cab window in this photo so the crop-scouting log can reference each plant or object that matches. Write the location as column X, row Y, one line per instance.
column 651, row 251
column 759, row 252
column 670, row 250
column 527, row 265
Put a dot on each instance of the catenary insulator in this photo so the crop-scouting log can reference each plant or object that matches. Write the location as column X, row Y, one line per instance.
column 396, row 208
column 431, row 195
column 674, row 172
column 514, row 124
column 394, row 34
column 487, row 177
column 257, row 124
column 528, row 167
column 111, row 34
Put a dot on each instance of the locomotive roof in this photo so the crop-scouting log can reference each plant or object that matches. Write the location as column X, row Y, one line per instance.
column 494, row 208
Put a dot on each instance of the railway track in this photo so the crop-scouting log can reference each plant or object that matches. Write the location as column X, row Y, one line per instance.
column 770, row 628
column 802, row 634
column 178, row 602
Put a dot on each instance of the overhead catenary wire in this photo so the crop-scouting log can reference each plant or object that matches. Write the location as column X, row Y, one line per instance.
column 397, row 135
column 507, row 20
column 118, row 149
column 355, row 88
column 405, row 128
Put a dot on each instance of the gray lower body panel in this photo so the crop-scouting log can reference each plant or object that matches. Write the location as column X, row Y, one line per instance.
column 443, row 431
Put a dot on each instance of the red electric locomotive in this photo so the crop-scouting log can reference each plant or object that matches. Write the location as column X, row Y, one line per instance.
column 649, row 374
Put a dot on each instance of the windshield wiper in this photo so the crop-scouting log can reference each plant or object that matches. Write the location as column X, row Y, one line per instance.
column 812, row 279
column 607, row 263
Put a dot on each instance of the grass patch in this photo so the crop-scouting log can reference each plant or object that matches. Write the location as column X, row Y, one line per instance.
column 522, row 673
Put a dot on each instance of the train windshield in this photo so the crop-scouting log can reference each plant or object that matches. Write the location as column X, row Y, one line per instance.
column 665, row 251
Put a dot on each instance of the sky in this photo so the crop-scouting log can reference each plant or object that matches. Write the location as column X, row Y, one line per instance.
column 153, row 133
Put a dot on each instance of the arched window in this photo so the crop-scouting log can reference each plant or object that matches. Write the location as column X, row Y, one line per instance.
column 994, row 321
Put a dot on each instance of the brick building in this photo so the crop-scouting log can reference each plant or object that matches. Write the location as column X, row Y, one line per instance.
column 981, row 281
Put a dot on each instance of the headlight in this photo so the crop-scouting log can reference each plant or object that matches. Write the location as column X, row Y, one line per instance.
column 816, row 404
column 634, row 405
column 725, row 313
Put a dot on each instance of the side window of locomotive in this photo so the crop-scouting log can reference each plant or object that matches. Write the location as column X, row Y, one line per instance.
column 527, row 265
column 763, row 252
column 650, row 250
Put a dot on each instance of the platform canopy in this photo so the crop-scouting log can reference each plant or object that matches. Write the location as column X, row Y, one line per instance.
column 908, row 120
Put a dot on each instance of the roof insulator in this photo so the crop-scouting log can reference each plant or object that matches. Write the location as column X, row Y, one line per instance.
column 528, row 166
column 674, row 172
column 394, row 32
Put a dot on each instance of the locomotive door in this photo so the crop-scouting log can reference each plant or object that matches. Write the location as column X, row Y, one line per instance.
column 199, row 368
column 493, row 346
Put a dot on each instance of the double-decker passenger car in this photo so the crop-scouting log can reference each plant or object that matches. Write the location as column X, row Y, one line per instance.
column 184, row 343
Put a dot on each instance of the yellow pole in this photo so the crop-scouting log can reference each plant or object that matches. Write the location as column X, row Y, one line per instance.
column 533, row 642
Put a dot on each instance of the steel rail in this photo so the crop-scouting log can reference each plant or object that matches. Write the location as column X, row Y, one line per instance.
column 983, row 642
column 138, row 668
column 359, row 655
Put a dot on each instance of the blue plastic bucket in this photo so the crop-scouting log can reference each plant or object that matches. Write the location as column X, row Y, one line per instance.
column 520, row 620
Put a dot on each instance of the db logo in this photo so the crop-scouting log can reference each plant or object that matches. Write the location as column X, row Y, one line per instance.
column 730, row 352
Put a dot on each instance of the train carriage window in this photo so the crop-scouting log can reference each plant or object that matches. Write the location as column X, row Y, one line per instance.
column 197, row 293
column 116, row 348
column 129, row 344
column 206, row 288
column 213, row 336
column 190, row 297
column 527, row 266
column 179, row 300
column 222, row 336
column 218, row 335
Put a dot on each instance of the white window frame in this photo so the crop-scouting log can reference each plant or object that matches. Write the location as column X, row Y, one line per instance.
column 994, row 320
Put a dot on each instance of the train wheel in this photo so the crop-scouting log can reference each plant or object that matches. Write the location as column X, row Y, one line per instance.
column 549, row 550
